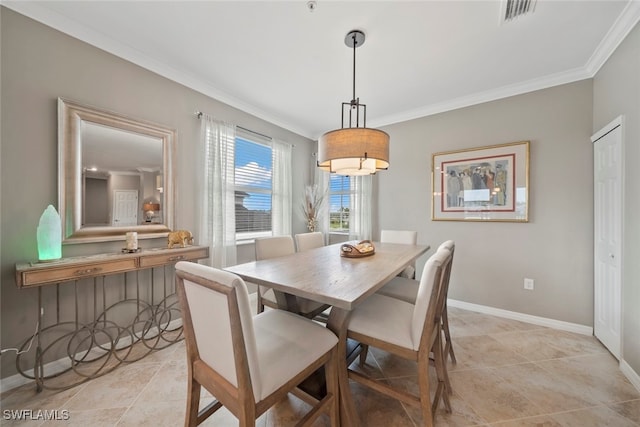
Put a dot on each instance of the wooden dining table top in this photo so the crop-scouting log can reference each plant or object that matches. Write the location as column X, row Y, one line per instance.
column 324, row 276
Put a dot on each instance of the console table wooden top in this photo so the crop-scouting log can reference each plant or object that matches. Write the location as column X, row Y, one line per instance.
column 80, row 267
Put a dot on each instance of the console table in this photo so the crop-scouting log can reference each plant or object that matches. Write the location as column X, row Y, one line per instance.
column 109, row 309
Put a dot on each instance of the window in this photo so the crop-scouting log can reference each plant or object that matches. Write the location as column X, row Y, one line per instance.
column 339, row 203
column 253, row 185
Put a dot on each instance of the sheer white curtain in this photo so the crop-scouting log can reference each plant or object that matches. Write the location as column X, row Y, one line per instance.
column 217, row 213
column 281, row 200
column 321, row 179
column 360, row 216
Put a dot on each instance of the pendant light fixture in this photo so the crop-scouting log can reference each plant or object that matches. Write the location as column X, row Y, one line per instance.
column 354, row 150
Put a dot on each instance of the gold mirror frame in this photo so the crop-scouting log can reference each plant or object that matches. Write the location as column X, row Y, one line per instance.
column 70, row 172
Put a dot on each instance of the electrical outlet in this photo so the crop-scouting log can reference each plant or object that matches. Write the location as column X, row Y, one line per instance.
column 528, row 284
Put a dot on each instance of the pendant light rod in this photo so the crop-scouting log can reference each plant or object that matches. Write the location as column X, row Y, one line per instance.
column 353, row 150
column 355, row 39
column 355, row 45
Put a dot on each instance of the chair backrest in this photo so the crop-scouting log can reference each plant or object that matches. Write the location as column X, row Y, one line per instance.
column 448, row 244
column 399, row 236
column 451, row 246
column 306, row 241
column 402, row 236
column 273, row 247
column 427, row 299
column 218, row 324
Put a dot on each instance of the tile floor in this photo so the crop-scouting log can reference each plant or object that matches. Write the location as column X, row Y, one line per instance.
column 508, row 374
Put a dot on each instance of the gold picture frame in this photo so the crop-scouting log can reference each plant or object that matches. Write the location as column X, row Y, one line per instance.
column 481, row 184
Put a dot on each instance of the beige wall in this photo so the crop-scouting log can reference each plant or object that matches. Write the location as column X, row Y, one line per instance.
column 39, row 65
column 616, row 91
column 554, row 248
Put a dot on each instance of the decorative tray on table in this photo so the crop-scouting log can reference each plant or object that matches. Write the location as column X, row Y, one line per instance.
column 361, row 249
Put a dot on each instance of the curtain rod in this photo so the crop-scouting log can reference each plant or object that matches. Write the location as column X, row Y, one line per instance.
column 200, row 114
column 254, row 132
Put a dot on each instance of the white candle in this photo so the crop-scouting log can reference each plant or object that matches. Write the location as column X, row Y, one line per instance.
column 132, row 241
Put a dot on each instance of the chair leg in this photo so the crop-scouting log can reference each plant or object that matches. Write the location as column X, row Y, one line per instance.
column 425, row 393
column 448, row 348
column 363, row 353
column 443, row 389
column 193, row 403
column 331, row 378
column 245, row 421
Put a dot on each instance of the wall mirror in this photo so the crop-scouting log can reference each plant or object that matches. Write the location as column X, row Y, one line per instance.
column 115, row 175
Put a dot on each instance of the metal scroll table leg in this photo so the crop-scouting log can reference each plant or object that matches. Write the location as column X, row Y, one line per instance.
column 39, row 364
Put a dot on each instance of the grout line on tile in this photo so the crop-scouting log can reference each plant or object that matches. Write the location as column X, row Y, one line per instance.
column 133, row 402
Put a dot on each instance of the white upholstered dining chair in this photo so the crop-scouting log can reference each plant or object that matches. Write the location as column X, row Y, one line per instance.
column 239, row 359
column 273, row 247
column 407, row 290
column 306, row 241
column 410, row 331
column 402, row 236
column 265, row 248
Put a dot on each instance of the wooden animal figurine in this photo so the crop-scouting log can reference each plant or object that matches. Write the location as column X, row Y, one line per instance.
column 179, row 237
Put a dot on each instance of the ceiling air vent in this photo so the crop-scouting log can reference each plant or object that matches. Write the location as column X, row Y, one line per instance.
column 511, row 9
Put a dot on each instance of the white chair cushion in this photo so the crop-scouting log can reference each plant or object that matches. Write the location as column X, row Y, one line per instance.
column 214, row 344
column 401, row 288
column 273, row 247
column 286, row 344
column 406, row 289
column 384, row 318
column 423, row 296
column 399, row 236
column 268, row 294
column 409, row 272
column 208, row 307
column 402, row 236
column 306, row 241
column 448, row 244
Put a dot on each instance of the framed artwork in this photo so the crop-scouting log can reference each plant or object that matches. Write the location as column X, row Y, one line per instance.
column 481, row 184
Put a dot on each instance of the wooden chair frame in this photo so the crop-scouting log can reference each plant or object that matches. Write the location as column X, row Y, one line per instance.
column 240, row 400
column 430, row 343
column 448, row 346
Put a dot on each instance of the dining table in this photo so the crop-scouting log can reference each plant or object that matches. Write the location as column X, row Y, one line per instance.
column 343, row 282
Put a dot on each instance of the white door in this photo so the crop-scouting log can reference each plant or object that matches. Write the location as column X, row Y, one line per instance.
column 607, row 197
column 125, row 208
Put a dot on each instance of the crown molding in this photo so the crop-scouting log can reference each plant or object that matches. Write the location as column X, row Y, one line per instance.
column 621, row 28
column 99, row 40
column 486, row 96
column 627, row 20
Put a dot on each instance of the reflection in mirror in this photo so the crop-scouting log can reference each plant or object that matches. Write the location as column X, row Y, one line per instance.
column 115, row 175
column 113, row 183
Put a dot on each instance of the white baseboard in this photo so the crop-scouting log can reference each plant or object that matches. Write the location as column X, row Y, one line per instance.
column 631, row 375
column 64, row 363
column 627, row 370
column 527, row 318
